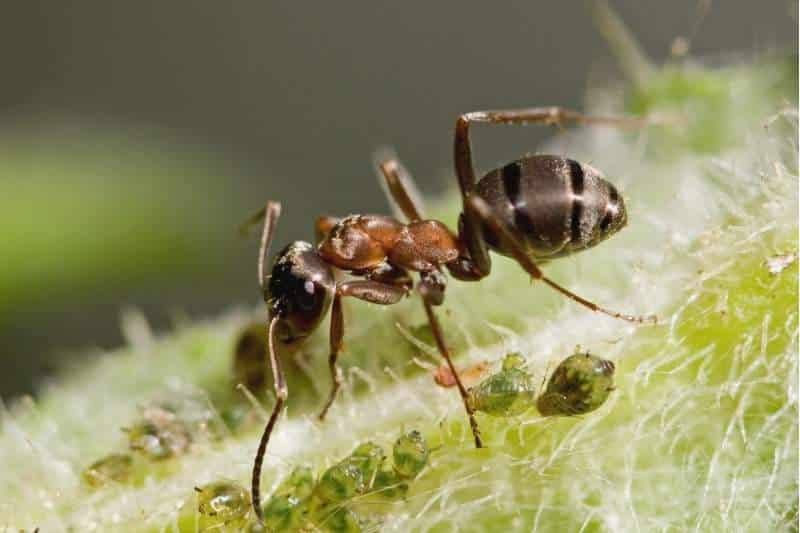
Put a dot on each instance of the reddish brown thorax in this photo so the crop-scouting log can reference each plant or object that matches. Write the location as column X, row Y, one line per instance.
column 364, row 242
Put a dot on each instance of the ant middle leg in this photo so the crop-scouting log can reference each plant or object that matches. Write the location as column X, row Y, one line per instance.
column 432, row 293
column 369, row 291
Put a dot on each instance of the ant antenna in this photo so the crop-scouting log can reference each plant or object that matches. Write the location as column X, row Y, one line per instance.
column 270, row 214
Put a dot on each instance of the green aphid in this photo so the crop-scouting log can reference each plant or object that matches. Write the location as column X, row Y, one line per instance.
column 222, row 503
column 337, row 520
column 114, row 467
column 369, row 457
column 283, row 512
column 410, row 454
column 159, row 440
column 299, row 483
column 341, row 482
column 388, row 484
column 509, row 392
column 580, row 384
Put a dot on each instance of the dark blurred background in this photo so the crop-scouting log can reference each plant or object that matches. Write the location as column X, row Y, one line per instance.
column 135, row 136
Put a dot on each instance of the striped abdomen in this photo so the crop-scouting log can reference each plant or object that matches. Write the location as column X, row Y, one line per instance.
column 555, row 206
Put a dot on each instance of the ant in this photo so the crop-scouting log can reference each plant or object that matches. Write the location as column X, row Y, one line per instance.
column 534, row 209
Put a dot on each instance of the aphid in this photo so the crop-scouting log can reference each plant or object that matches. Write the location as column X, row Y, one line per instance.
column 410, row 454
column 580, row 384
column 248, row 361
column 114, row 467
column 288, row 507
column 222, row 503
column 369, row 457
column 534, row 209
column 159, row 440
column 341, row 482
column 509, row 392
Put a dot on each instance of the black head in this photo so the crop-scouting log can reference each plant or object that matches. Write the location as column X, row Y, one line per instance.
column 300, row 289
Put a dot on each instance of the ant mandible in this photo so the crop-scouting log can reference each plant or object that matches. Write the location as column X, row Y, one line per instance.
column 534, row 209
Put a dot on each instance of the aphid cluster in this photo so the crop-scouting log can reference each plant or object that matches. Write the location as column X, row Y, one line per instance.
column 580, row 384
column 534, row 209
column 165, row 429
column 301, row 503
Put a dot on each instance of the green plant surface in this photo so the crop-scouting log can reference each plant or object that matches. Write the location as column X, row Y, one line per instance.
column 700, row 433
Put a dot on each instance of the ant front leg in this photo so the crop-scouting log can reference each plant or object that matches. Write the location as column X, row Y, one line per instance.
column 369, row 291
column 431, row 288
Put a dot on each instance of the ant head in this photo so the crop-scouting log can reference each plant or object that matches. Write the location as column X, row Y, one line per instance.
column 300, row 289
column 614, row 217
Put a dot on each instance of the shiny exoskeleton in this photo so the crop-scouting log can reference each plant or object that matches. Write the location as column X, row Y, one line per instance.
column 534, row 209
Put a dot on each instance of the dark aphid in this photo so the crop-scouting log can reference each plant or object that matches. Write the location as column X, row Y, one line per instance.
column 115, row 467
column 410, row 454
column 534, row 209
column 509, row 392
column 580, row 384
column 250, row 358
column 222, row 503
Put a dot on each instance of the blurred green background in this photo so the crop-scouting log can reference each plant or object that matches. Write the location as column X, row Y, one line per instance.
column 135, row 136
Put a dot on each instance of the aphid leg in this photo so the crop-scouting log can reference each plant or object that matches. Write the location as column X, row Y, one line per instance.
column 323, row 226
column 369, row 291
column 281, row 393
column 440, row 343
column 477, row 205
column 399, row 184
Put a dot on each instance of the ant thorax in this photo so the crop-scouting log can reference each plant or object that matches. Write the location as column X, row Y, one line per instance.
column 364, row 242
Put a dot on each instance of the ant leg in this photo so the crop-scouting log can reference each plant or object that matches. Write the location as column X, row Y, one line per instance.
column 336, row 336
column 369, row 291
column 281, row 393
column 323, row 226
column 400, row 188
column 483, row 212
column 440, row 343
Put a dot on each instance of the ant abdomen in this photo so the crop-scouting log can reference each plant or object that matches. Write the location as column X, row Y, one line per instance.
column 556, row 206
